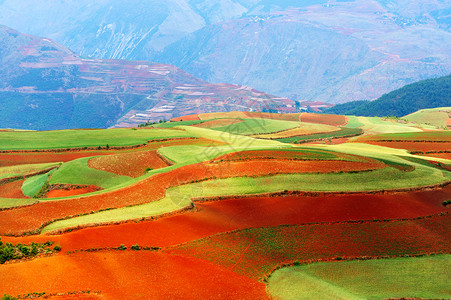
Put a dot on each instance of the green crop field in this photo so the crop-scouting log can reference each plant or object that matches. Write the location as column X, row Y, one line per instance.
column 353, row 122
column 78, row 172
column 383, row 179
column 416, row 277
column 343, row 132
column 258, row 126
column 414, row 136
column 83, row 138
column 436, row 116
column 33, row 185
column 377, row 125
column 20, row 170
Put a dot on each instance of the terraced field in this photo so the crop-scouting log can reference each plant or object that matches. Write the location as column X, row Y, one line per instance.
column 229, row 206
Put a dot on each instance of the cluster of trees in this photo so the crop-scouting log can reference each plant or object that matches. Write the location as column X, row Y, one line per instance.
column 430, row 93
column 9, row 251
column 148, row 123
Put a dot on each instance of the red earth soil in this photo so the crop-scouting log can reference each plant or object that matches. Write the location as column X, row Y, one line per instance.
column 12, row 190
column 128, row 275
column 414, row 146
column 132, row 164
column 19, row 220
column 71, row 191
column 257, row 251
column 186, row 118
column 232, row 214
column 265, row 167
column 334, row 120
column 12, row 159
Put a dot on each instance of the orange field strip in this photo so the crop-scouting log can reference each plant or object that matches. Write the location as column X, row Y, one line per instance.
column 12, row 190
column 19, row 220
column 232, row 214
column 255, row 252
column 132, row 164
column 128, row 275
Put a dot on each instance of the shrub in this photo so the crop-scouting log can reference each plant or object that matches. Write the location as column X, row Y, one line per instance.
column 135, row 247
column 122, row 247
column 446, row 203
column 57, row 248
column 8, row 297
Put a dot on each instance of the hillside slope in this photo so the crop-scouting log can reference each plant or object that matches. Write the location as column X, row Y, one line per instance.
column 429, row 93
column 319, row 50
column 44, row 85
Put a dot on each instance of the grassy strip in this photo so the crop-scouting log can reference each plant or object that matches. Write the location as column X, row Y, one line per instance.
column 33, row 185
column 21, row 170
column 353, row 122
column 180, row 197
column 78, row 172
column 10, row 203
column 343, row 132
column 17, row 140
column 413, row 277
column 258, row 126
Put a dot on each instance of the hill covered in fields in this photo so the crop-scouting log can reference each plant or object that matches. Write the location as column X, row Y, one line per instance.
column 235, row 205
column 44, row 85
column 317, row 50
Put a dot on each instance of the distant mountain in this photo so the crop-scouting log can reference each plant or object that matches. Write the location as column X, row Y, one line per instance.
column 430, row 93
column 44, row 85
column 322, row 50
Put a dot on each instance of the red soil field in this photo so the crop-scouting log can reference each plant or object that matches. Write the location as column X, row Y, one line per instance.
column 23, row 219
column 414, row 146
column 334, row 120
column 186, row 118
column 265, row 167
column 12, row 190
column 57, row 193
column 232, row 214
column 291, row 155
column 218, row 123
column 128, row 275
column 12, row 159
column 132, row 164
column 255, row 252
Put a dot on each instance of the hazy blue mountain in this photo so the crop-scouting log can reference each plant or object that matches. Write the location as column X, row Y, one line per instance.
column 44, row 85
column 331, row 50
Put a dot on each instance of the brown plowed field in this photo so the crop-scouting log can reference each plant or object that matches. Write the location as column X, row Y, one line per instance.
column 255, row 252
column 67, row 192
column 264, row 167
column 334, row 120
column 12, row 159
column 132, row 164
column 232, row 214
column 186, row 118
column 290, row 155
column 23, row 219
column 12, row 190
column 414, row 146
column 128, row 275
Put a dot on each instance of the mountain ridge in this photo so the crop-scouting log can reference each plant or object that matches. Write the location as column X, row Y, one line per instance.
column 46, row 86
